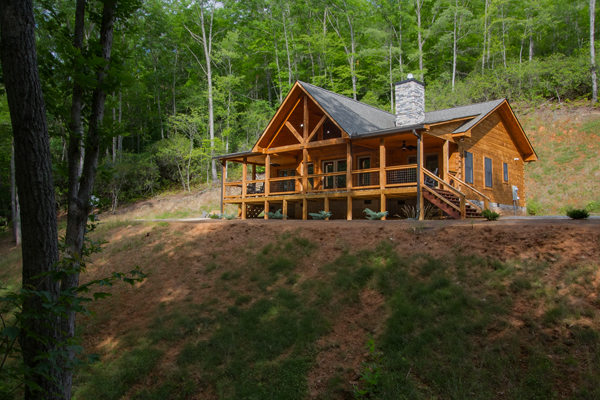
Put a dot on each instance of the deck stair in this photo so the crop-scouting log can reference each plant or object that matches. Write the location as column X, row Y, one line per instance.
column 254, row 210
column 448, row 202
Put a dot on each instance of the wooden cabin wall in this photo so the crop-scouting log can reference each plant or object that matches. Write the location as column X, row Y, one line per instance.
column 491, row 139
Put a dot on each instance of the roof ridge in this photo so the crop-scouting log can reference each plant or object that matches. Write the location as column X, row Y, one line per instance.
column 468, row 105
column 345, row 97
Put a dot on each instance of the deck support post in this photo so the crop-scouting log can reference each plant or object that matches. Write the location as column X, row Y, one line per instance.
column 285, row 209
column 382, row 205
column 420, row 177
column 239, row 214
column 463, row 207
column 266, row 209
column 244, row 207
column 253, row 172
column 326, row 206
column 244, row 177
column 349, row 211
column 304, row 209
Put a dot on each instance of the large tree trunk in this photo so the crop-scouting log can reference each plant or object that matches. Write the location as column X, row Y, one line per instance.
column 33, row 169
column 593, row 50
column 14, row 200
column 79, row 201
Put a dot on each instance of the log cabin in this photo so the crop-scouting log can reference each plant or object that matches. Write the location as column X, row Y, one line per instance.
column 325, row 151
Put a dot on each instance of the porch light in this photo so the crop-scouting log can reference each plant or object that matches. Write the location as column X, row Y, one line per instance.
column 404, row 145
column 462, row 139
column 301, row 125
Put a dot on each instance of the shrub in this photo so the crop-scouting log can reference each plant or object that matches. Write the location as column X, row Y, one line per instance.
column 490, row 215
column 276, row 215
column 321, row 215
column 373, row 215
column 576, row 213
column 534, row 207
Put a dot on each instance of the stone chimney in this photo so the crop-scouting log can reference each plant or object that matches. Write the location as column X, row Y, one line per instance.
column 410, row 102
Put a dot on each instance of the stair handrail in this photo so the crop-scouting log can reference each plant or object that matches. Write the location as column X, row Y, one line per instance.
column 461, row 195
column 486, row 199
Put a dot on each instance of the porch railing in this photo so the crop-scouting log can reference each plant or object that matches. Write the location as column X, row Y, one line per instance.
column 401, row 175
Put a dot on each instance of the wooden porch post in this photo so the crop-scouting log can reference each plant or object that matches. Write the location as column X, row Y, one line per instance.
column 223, row 177
column 304, row 209
column 239, row 210
column 243, row 210
column 266, row 209
column 445, row 161
column 382, row 163
column 253, row 172
column 421, row 177
column 349, row 166
column 326, row 206
column 267, row 175
column 304, row 170
column 285, row 208
column 244, row 177
column 349, row 212
column 382, row 205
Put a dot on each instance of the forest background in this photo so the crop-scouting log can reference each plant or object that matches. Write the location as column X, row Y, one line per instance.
column 192, row 79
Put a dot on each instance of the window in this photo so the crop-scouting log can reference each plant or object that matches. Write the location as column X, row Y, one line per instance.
column 336, row 181
column 284, row 186
column 468, row 167
column 431, row 162
column 488, row 171
column 310, row 170
column 505, row 171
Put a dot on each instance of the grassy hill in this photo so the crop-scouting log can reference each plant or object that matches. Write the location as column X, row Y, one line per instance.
column 281, row 310
column 567, row 140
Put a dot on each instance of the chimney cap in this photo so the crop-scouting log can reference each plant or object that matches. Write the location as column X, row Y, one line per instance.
column 409, row 80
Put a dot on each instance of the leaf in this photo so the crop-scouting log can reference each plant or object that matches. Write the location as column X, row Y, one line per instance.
column 12, row 332
column 101, row 295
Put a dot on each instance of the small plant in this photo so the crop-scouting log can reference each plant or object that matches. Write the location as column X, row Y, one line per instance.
column 576, row 213
column 411, row 212
column 229, row 216
column 321, row 215
column 490, row 215
column 373, row 215
column 214, row 216
column 371, row 373
column 276, row 215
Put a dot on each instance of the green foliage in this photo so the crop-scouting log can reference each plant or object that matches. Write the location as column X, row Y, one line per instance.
column 534, row 207
column 276, row 215
column 321, row 215
column 373, row 215
column 16, row 324
column 490, row 215
column 370, row 374
column 576, row 213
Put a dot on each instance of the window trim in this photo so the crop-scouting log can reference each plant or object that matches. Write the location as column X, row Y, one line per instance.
column 465, row 158
column 491, row 173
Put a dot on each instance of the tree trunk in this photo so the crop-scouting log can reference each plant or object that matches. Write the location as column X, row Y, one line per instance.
column 485, row 33
column 418, row 6
column 593, row 51
column 454, row 47
column 79, row 201
column 14, row 200
column 33, row 170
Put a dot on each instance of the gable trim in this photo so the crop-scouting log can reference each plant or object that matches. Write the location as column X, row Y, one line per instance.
column 282, row 125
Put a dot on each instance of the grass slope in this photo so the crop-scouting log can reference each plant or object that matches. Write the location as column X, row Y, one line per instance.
column 566, row 138
column 268, row 311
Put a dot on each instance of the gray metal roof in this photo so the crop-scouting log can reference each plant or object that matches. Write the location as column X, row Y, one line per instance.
column 359, row 119
column 353, row 116
column 478, row 111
